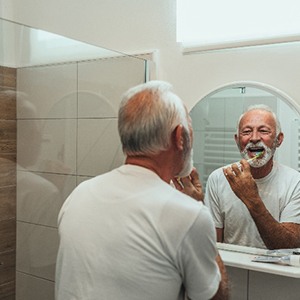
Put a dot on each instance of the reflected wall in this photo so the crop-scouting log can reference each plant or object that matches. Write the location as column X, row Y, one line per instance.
column 215, row 121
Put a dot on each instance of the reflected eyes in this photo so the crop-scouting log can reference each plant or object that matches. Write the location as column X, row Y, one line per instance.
column 249, row 132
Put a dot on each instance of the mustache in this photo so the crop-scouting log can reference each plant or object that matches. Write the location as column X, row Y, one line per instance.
column 256, row 146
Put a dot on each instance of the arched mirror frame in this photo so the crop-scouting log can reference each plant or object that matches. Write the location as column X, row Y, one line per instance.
column 210, row 143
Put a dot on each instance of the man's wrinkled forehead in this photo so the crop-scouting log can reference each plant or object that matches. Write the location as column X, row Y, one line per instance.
column 257, row 117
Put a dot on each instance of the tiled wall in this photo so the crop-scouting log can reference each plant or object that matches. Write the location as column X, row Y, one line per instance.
column 67, row 132
column 7, row 182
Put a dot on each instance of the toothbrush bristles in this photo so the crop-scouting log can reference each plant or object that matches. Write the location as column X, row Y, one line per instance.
column 257, row 155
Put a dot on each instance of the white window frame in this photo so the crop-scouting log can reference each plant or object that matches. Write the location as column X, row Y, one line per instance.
column 211, row 16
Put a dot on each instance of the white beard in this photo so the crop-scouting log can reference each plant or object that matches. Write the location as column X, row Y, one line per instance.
column 187, row 165
column 257, row 163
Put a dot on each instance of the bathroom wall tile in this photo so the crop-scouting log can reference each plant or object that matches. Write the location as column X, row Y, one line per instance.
column 64, row 183
column 8, row 130
column 101, row 84
column 99, row 146
column 81, row 179
column 33, row 288
column 7, row 291
column 41, row 195
column 7, row 267
column 36, row 250
column 7, row 172
column 52, row 145
column 8, row 77
column 47, row 92
column 7, row 202
column 7, row 104
column 93, row 105
column 8, row 235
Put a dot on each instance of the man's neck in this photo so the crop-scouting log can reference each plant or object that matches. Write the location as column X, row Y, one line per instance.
column 157, row 164
column 263, row 171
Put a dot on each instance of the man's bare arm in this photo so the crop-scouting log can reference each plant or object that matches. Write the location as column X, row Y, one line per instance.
column 223, row 291
column 275, row 235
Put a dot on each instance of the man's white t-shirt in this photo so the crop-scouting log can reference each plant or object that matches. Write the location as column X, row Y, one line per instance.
column 279, row 190
column 128, row 235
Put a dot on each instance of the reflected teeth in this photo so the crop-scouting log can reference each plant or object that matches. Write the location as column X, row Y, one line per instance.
column 259, row 154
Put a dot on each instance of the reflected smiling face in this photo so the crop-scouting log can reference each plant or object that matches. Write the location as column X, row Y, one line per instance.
column 257, row 133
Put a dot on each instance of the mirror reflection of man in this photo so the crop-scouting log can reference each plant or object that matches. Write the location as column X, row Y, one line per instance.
column 256, row 204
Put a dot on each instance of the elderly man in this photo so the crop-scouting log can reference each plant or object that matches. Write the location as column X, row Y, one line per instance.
column 257, row 202
column 128, row 234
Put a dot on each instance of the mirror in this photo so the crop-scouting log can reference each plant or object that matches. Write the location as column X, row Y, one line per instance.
column 215, row 118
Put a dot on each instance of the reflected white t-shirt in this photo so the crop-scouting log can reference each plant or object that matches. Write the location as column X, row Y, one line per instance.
column 128, row 235
column 279, row 190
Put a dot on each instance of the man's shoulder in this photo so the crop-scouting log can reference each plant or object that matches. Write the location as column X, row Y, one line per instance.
column 287, row 175
column 286, row 170
column 215, row 174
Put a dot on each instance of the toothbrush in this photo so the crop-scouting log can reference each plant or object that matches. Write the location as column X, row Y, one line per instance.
column 258, row 154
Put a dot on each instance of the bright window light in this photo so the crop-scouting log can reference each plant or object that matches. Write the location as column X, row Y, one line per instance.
column 218, row 24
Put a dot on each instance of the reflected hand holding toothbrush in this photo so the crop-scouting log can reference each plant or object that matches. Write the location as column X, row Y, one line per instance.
column 257, row 155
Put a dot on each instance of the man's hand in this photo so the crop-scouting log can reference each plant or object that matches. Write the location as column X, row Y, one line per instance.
column 275, row 235
column 190, row 185
column 242, row 182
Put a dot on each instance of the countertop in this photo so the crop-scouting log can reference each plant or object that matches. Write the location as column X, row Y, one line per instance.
column 241, row 257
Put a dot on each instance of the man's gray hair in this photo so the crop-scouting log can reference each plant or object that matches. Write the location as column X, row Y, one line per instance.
column 264, row 108
column 148, row 115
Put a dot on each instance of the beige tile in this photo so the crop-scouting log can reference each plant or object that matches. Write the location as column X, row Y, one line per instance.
column 8, row 77
column 47, row 92
column 32, row 288
column 99, row 147
column 8, row 235
column 7, row 104
column 40, row 196
column 93, row 105
column 102, row 83
column 8, row 135
column 7, row 291
column 36, row 250
column 7, row 202
column 52, row 145
column 7, row 267
column 81, row 179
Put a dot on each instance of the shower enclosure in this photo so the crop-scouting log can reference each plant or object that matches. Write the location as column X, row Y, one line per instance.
column 58, row 110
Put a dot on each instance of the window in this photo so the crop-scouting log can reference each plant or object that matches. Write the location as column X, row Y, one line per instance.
column 219, row 24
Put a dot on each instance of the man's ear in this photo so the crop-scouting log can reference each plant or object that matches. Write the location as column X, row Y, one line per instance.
column 179, row 137
column 279, row 139
column 236, row 139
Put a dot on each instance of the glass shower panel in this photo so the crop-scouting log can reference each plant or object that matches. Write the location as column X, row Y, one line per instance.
column 58, row 107
column 67, row 121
